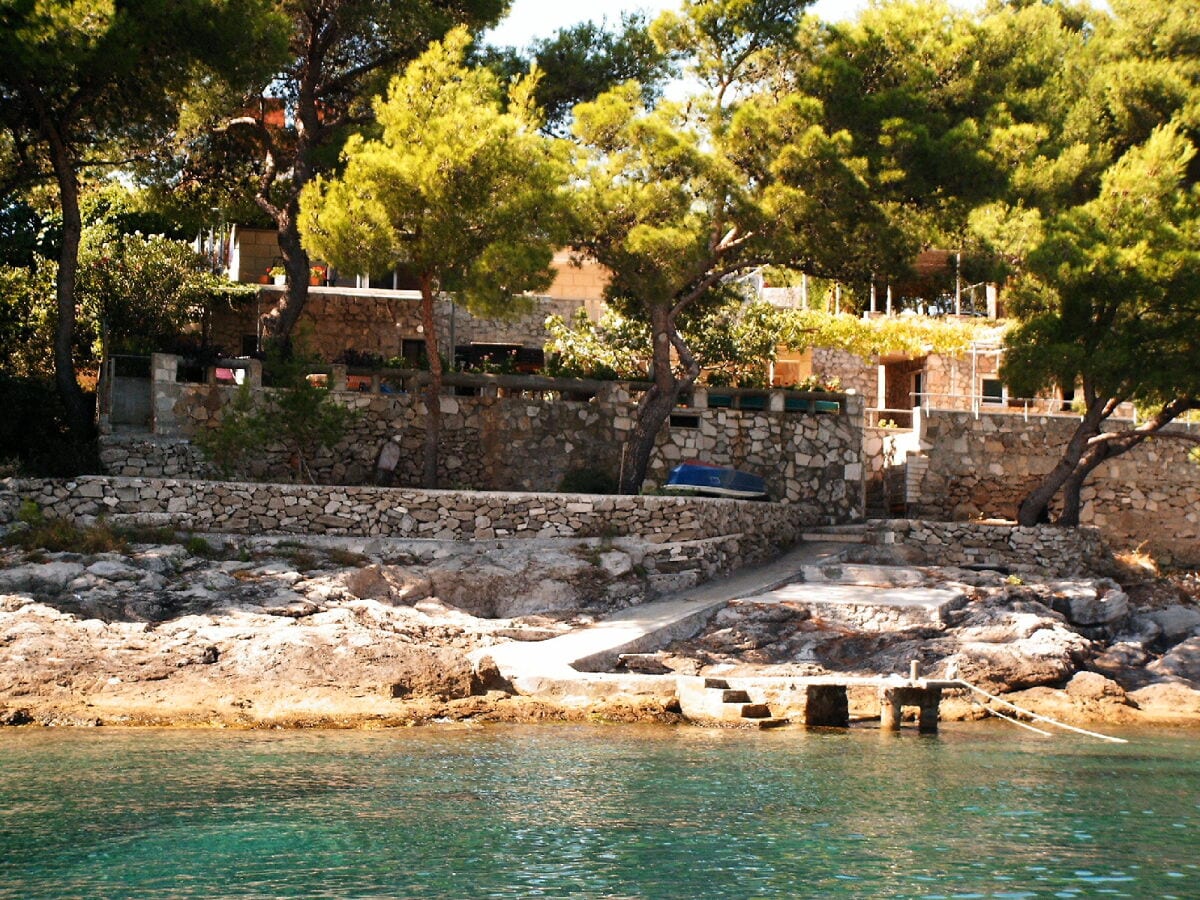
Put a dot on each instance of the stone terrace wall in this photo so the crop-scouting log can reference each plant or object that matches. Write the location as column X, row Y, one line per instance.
column 517, row 443
column 760, row 529
column 855, row 373
column 985, row 466
column 335, row 320
column 1041, row 548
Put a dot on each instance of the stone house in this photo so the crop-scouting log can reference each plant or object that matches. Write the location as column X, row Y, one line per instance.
column 379, row 315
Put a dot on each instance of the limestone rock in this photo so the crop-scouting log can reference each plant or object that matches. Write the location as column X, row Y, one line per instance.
column 161, row 559
column 434, row 672
column 113, row 570
column 1177, row 622
column 391, row 584
column 616, row 563
column 1181, row 663
column 1002, row 649
column 1168, row 701
column 39, row 578
column 1092, row 686
column 1090, row 603
column 1124, row 663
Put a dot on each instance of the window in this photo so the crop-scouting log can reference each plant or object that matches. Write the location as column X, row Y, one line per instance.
column 413, row 351
column 993, row 390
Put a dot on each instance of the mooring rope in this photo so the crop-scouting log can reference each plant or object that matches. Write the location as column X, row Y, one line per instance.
column 1033, row 715
column 1013, row 719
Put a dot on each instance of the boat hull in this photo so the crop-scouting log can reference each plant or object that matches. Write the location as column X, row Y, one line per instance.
column 716, row 481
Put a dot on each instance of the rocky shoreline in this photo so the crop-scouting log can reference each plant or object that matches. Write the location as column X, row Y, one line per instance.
column 260, row 632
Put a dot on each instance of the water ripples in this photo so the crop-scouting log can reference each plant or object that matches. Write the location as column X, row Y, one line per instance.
column 595, row 813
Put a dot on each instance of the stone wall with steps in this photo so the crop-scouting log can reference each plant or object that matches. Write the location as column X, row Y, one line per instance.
column 983, row 467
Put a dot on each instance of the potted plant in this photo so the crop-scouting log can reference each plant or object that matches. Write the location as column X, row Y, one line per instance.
column 316, row 275
column 278, row 274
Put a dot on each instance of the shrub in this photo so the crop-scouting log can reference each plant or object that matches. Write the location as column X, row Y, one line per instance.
column 60, row 536
column 587, row 481
column 33, row 431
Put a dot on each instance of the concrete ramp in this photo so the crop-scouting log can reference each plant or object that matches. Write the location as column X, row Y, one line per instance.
column 647, row 627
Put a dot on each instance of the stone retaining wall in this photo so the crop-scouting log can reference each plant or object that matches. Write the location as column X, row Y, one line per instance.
column 528, row 441
column 751, row 531
column 985, row 466
column 1064, row 551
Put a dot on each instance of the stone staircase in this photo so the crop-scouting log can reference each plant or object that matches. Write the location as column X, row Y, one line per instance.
column 735, row 706
column 887, row 495
column 855, row 533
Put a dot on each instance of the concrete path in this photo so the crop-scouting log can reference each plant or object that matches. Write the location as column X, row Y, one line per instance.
column 649, row 626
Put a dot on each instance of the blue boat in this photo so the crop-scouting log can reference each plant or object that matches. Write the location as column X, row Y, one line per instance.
column 716, row 481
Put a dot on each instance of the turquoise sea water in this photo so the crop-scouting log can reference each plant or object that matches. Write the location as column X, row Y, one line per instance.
column 578, row 811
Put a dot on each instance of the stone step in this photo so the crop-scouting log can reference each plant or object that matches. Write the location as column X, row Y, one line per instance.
column 764, row 724
column 756, row 711
column 734, row 696
column 718, row 683
column 820, row 537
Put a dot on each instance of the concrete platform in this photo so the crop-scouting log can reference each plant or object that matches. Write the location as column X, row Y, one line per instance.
column 575, row 669
column 867, row 608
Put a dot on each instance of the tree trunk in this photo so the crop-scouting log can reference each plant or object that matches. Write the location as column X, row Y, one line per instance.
column 653, row 409
column 78, row 411
column 433, row 392
column 655, row 406
column 1036, row 505
column 1072, row 488
column 281, row 321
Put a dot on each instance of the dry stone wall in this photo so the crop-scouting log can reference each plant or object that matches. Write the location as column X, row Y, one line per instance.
column 750, row 531
column 985, row 466
column 855, row 373
column 529, row 443
column 1040, row 548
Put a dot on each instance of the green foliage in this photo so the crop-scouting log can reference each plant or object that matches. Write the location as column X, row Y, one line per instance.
column 61, row 536
column 24, row 234
column 27, row 320
column 587, row 481
column 101, row 73
column 581, row 62
column 90, row 84
column 30, row 513
column 870, row 338
column 141, row 291
column 614, row 348
column 725, row 40
column 735, row 341
column 33, row 430
column 339, row 55
column 198, row 546
column 820, row 383
column 298, row 415
column 464, row 193
column 239, row 432
column 1110, row 295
